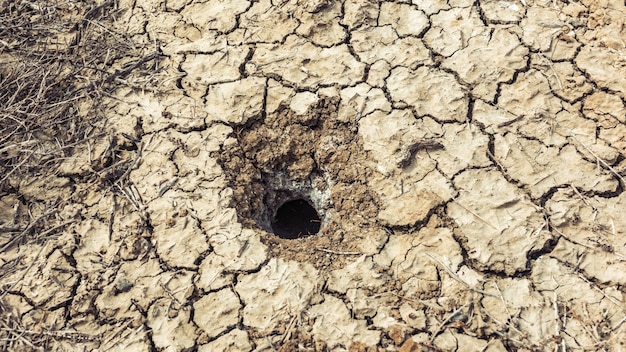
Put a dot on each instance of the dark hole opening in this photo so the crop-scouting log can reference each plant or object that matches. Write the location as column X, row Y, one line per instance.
column 296, row 219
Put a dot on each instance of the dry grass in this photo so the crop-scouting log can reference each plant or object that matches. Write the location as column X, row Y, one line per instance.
column 58, row 59
column 54, row 56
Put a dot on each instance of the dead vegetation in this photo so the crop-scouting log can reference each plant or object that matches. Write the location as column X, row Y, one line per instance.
column 57, row 61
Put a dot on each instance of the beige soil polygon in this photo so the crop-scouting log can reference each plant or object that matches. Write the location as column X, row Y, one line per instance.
column 467, row 160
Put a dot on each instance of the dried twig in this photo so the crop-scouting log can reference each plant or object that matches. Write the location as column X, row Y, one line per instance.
column 19, row 335
column 27, row 230
column 595, row 287
column 600, row 160
column 476, row 215
column 448, row 319
column 457, row 278
column 336, row 252
column 407, row 152
column 43, row 235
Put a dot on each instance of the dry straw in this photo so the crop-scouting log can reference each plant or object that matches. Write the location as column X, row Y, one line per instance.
column 58, row 59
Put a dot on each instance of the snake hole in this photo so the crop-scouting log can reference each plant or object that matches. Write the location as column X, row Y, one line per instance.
column 294, row 219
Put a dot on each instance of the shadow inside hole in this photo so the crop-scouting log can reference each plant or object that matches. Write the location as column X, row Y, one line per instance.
column 296, row 219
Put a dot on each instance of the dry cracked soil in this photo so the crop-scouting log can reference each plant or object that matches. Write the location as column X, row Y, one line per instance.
column 330, row 175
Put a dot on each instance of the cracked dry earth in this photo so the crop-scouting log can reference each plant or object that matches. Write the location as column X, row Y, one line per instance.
column 466, row 159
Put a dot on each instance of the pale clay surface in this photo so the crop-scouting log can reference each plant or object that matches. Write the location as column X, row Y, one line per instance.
column 510, row 236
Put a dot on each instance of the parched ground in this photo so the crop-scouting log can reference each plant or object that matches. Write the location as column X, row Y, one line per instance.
column 466, row 159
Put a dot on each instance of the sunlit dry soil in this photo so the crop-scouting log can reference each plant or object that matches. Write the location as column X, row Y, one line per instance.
column 466, row 161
